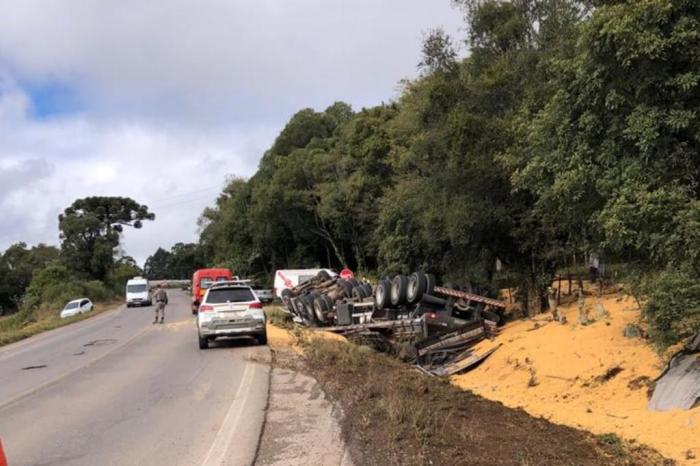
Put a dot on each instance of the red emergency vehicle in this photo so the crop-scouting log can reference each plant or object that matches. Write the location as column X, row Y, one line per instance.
column 203, row 279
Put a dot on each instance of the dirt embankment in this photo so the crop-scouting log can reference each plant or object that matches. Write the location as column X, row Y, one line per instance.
column 586, row 376
column 395, row 415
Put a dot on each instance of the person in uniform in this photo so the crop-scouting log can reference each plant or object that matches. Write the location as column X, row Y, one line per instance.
column 161, row 298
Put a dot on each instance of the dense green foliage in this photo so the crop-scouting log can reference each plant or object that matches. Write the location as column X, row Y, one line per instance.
column 17, row 266
column 571, row 127
column 178, row 263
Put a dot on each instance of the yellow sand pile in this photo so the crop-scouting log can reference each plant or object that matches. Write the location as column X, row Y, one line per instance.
column 590, row 377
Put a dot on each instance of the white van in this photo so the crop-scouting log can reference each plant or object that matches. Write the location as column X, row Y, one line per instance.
column 285, row 279
column 138, row 292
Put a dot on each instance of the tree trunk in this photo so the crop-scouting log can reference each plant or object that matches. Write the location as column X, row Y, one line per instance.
column 534, row 297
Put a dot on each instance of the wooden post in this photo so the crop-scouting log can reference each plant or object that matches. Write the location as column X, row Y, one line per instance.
column 569, row 277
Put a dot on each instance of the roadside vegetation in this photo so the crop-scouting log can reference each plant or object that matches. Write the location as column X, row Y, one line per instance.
column 36, row 282
column 569, row 129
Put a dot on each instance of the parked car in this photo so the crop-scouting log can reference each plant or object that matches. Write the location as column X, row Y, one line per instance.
column 75, row 307
column 230, row 309
column 138, row 292
column 264, row 295
column 287, row 279
column 203, row 279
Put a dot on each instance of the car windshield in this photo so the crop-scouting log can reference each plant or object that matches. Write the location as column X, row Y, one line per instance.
column 72, row 305
column 230, row 295
column 136, row 288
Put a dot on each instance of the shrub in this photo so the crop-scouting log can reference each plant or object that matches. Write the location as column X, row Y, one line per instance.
column 670, row 305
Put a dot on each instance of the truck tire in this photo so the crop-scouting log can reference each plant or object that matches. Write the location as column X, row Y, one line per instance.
column 346, row 286
column 398, row 290
column 354, row 282
column 323, row 275
column 309, row 308
column 286, row 295
column 329, row 302
column 382, row 294
column 358, row 293
column 319, row 305
column 429, row 283
column 368, row 289
column 417, row 283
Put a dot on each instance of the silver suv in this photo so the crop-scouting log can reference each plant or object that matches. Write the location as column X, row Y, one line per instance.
column 230, row 309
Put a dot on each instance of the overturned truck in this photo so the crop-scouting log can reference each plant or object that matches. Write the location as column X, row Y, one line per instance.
column 435, row 327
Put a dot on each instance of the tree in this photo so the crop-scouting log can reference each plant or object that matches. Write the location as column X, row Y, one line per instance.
column 90, row 231
column 157, row 265
column 17, row 266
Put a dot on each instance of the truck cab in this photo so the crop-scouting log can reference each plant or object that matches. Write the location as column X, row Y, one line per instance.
column 205, row 278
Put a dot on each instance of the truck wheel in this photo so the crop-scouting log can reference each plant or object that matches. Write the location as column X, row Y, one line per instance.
column 329, row 302
column 203, row 342
column 354, row 282
column 381, row 294
column 346, row 287
column 368, row 289
column 309, row 307
column 286, row 295
column 429, row 283
column 416, row 287
column 398, row 290
column 323, row 275
column 318, row 305
column 358, row 293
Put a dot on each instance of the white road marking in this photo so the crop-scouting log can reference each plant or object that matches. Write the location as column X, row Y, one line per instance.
column 216, row 456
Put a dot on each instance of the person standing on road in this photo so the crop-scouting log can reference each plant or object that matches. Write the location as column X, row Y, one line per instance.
column 161, row 298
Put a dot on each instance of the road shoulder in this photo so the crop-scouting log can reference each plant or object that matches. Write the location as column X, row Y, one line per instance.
column 302, row 425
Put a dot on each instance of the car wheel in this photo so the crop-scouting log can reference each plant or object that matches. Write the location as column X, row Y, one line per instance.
column 262, row 338
column 203, row 342
column 398, row 290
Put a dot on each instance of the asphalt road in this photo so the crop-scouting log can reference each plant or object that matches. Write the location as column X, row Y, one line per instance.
column 117, row 390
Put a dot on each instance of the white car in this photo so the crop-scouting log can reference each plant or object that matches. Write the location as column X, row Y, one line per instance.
column 75, row 307
column 230, row 309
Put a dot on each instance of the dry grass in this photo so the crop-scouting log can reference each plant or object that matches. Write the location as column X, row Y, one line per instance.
column 278, row 317
column 24, row 324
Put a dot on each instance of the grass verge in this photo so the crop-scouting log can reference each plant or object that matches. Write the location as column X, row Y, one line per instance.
column 26, row 323
column 394, row 415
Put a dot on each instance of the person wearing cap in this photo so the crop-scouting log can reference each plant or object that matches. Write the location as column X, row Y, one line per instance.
column 161, row 298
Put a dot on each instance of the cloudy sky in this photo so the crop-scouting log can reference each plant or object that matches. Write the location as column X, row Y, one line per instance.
column 162, row 100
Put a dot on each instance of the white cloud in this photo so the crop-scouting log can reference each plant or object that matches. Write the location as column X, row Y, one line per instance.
column 169, row 97
column 175, row 171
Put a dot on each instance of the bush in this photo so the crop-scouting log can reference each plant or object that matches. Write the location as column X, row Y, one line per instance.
column 55, row 285
column 670, row 305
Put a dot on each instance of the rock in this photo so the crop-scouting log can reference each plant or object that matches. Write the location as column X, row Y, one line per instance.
column 632, row 331
column 689, row 455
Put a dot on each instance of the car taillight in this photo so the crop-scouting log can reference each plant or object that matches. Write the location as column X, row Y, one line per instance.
column 206, row 308
column 255, row 306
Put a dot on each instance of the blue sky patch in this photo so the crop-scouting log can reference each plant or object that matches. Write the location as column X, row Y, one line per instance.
column 52, row 99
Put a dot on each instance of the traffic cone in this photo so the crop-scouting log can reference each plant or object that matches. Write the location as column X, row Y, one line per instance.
column 3, row 460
